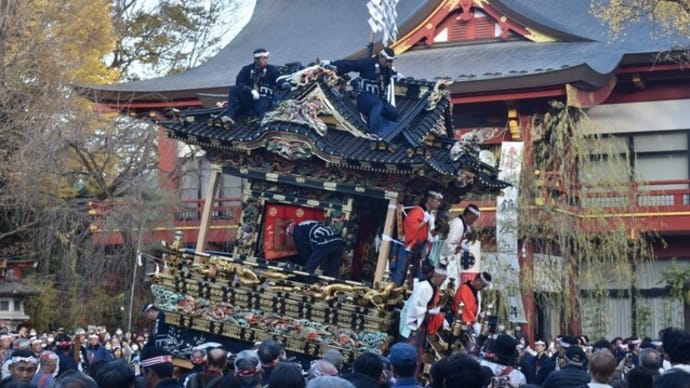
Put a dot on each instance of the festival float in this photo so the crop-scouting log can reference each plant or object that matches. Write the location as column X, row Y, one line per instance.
column 311, row 157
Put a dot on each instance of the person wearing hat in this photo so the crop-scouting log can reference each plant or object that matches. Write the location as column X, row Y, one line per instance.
column 419, row 221
column 5, row 347
column 540, row 356
column 551, row 363
column 572, row 372
column 457, row 244
column 48, row 365
column 22, row 367
column 37, row 345
column 404, row 361
column 318, row 245
column 212, row 374
column 468, row 296
column 248, row 369
column 198, row 360
column 158, row 368
column 375, row 74
column 504, row 356
column 96, row 353
column 159, row 332
column 63, row 349
column 253, row 90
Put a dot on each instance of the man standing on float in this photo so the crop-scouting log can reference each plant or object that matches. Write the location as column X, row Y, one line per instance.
column 418, row 222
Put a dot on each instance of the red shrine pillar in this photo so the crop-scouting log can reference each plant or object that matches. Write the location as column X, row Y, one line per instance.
column 167, row 161
column 526, row 256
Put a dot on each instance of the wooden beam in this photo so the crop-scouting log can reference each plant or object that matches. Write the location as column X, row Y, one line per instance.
column 382, row 261
column 216, row 170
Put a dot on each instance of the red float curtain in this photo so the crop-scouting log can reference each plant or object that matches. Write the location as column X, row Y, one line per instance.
column 276, row 243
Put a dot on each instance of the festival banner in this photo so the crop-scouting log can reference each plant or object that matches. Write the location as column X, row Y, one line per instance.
column 508, row 274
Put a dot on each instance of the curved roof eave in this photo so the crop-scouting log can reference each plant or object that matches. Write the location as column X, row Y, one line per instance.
column 582, row 75
column 512, row 65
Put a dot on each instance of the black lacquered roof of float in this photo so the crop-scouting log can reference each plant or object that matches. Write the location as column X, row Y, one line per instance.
column 420, row 141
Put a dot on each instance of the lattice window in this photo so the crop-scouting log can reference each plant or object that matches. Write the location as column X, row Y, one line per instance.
column 479, row 27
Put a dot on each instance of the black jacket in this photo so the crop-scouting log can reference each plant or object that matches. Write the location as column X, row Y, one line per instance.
column 374, row 78
column 311, row 235
column 168, row 383
column 263, row 79
column 570, row 376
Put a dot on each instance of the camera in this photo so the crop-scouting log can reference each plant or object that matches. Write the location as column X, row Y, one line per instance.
column 628, row 360
column 501, row 381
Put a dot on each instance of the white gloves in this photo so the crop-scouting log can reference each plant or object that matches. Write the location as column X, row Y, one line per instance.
column 325, row 62
column 434, row 311
column 255, row 94
column 428, row 217
column 396, row 75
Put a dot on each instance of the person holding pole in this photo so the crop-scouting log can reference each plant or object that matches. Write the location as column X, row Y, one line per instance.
column 375, row 75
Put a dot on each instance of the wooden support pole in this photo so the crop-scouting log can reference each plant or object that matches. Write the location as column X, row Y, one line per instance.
column 384, row 250
column 202, row 238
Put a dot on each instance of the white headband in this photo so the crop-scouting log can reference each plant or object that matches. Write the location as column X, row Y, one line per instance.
column 564, row 344
column 156, row 360
column 385, row 55
column 250, row 372
column 32, row 360
column 261, row 54
column 435, row 194
column 473, row 210
column 484, row 279
column 441, row 271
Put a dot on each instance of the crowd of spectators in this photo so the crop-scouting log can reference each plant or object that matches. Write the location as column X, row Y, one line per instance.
column 98, row 358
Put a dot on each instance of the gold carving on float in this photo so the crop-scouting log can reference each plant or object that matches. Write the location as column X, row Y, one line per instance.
column 304, row 112
column 291, row 150
column 440, row 91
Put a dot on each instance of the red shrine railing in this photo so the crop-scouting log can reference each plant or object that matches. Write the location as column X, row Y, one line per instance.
column 186, row 217
column 663, row 206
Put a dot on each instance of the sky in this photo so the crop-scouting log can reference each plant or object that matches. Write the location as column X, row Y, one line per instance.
column 234, row 19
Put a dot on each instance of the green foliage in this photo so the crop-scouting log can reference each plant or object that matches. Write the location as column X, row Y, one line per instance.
column 52, row 141
column 167, row 37
column 41, row 307
column 678, row 278
column 672, row 15
column 566, row 204
column 597, row 316
column 643, row 324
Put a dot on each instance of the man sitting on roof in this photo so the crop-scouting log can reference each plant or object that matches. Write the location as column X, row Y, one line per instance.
column 253, row 90
column 375, row 76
